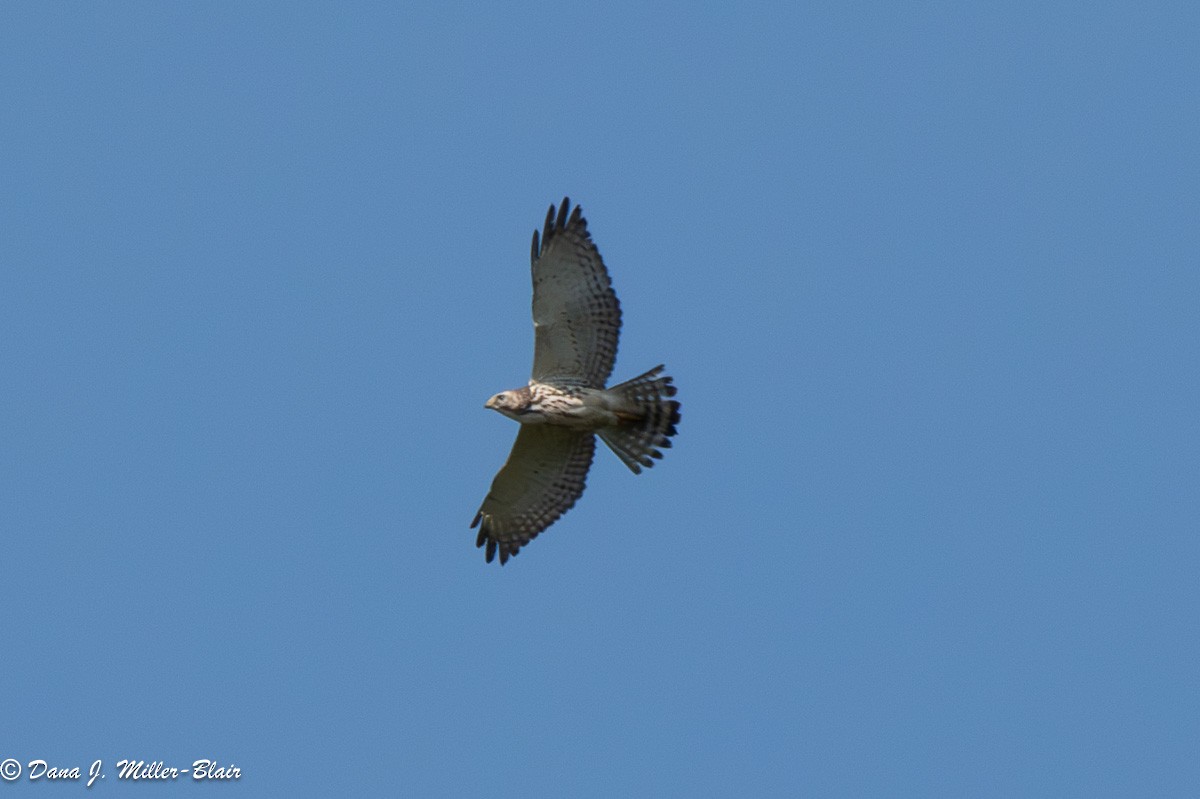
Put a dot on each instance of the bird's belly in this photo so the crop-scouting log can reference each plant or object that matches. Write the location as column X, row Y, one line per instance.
column 587, row 412
column 582, row 418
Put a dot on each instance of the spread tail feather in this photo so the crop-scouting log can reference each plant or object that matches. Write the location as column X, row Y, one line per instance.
column 651, row 423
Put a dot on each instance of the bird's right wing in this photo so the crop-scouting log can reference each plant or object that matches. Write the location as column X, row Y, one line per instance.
column 576, row 316
column 544, row 476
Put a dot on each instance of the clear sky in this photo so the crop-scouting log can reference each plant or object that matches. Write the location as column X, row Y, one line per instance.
column 927, row 276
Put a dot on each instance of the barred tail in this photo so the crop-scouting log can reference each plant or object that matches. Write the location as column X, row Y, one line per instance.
column 651, row 421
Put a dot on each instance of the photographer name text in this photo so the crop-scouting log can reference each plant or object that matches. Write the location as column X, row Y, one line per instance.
column 201, row 770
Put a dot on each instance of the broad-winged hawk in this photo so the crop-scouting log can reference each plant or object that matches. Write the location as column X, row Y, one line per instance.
column 576, row 319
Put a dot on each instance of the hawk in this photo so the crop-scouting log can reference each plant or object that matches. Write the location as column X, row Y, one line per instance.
column 576, row 319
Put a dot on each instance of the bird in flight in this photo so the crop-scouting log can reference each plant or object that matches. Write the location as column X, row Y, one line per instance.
column 576, row 319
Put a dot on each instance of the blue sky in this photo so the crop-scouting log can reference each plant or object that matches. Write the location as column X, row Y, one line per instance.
column 927, row 278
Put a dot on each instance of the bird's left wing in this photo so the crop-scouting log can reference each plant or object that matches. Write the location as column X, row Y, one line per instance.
column 544, row 476
column 576, row 316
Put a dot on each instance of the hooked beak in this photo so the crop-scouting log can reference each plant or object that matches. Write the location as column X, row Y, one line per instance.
column 491, row 403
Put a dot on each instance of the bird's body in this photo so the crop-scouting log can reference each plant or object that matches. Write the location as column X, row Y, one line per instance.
column 577, row 407
column 566, row 404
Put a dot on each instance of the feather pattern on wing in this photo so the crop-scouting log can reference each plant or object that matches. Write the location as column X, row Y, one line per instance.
column 543, row 477
column 576, row 316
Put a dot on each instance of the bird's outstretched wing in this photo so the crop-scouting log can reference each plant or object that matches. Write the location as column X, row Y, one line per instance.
column 576, row 316
column 543, row 477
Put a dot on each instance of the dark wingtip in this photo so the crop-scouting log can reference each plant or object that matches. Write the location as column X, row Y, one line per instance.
column 533, row 253
column 558, row 218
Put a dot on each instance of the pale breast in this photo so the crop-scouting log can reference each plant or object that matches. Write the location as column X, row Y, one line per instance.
column 576, row 407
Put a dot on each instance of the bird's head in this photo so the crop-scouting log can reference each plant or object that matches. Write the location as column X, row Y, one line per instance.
column 510, row 403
